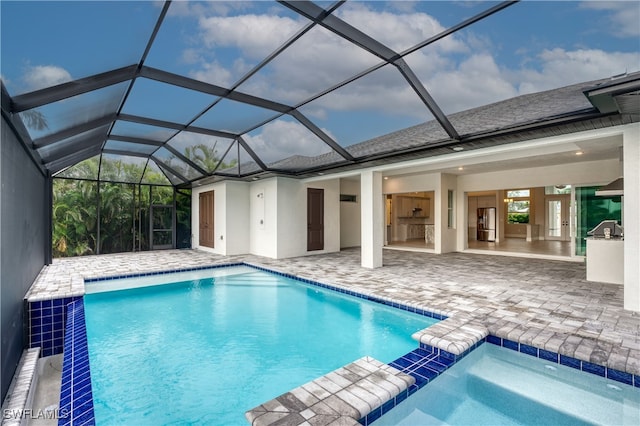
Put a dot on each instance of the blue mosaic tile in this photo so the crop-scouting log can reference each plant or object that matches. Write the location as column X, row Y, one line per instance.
column 388, row 406
column 76, row 397
column 529, row 350
column 570, row 362
column 510, row 344
column 620, row 376
column 592, row 368
column 548, row 355
column 401, row 396
column 636, row 381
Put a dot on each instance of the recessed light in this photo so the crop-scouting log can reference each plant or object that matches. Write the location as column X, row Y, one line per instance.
column 255, row 178
column 320, row 173
column 458, row 148
column 579, row 153
column 386, row 178
column 460, row 168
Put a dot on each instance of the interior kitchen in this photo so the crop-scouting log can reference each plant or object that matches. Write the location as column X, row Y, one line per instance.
column 409, row 219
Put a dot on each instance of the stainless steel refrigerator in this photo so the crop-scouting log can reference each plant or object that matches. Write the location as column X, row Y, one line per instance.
column 487, row 224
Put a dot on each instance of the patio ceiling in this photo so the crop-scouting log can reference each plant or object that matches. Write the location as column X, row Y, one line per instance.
column 199, row 127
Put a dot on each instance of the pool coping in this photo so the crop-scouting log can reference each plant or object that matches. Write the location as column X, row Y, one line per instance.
column 468, row 334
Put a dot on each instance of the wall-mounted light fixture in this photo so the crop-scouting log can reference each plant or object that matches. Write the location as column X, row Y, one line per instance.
column 508, row 200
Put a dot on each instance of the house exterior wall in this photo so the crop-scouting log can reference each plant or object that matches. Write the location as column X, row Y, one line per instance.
column 231, row 214
column 350, row 215
column 268, row 217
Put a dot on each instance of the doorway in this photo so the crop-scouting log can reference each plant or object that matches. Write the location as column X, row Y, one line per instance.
column 557, row 218
column 206, row 219
column 315, row 219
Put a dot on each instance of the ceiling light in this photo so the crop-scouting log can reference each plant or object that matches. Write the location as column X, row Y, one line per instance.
column 579, row 153
column 457, row 148
column 460, row 168
column 386, row 178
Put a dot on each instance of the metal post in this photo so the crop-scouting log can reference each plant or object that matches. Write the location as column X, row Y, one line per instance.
column 48, row 199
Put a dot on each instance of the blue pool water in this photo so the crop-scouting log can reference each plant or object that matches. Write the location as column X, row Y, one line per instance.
column 207, row 350
column 497, row 386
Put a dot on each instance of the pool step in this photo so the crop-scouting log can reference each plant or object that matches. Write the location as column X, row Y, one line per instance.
column 528, row 395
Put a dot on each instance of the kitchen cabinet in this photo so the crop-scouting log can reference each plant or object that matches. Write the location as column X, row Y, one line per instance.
column 413, row 206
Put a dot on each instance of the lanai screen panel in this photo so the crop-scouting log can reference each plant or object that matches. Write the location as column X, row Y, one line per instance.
column 142, row 131
column 204, row 150
column 378, row 103
column 167, row 102
column 219, row 42
column 317, row 61
column 74, row 111
column 121, row 168
column 234, row 117
column 130, row 147
column 286, row 144
column 84, row 38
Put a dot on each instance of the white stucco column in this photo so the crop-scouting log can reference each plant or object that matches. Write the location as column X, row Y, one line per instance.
column 372, row 219
column 631, row 216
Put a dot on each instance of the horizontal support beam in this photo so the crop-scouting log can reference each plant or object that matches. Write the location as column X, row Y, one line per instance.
column 73, row 131
column 72, row 88
column 175, row 126
column 211, row 89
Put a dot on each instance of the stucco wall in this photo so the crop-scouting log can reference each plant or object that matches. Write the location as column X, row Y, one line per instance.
column 350, row 215
column 231, row 216
column 292, row 216
column 23, row 242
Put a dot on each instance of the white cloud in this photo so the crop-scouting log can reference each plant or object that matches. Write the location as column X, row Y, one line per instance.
column 561, row 67
column 41, row 76
column 460, row 72
column 476, row 81
column 282, row 139
column 255, row 35
column 624, row 16
column 399, row 31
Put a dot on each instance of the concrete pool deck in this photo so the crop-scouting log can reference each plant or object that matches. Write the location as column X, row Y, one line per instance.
column 543, row 303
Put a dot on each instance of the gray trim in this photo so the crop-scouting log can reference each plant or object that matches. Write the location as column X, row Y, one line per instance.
column 200, row 86
column 174, row 126
column 70, row 160
column 125, row 152
column 252, row 154
column 162, row 165
column 73, row 131
column 426, row 98
column 184, row 159
column 322, row 135
column 73, row 88
column 133, row 139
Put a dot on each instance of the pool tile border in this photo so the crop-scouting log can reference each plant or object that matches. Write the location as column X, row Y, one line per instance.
column 587, row 367
column 376, row 299
column 424, row 363
column 170, row 271
column 76, row 397
column 45, row 322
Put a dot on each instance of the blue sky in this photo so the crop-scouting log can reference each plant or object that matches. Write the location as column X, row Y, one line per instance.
column 528, row 47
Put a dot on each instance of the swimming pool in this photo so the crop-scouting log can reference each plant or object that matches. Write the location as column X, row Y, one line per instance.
column 498, row 386
column 206, row 349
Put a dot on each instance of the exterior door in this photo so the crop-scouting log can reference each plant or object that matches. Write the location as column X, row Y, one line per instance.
column 206, row 219
column 557, row 218
column 315, row 219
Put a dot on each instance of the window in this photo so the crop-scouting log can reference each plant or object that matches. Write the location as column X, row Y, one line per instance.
column 518, row 206
column 450, row 210
column 348, row 198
